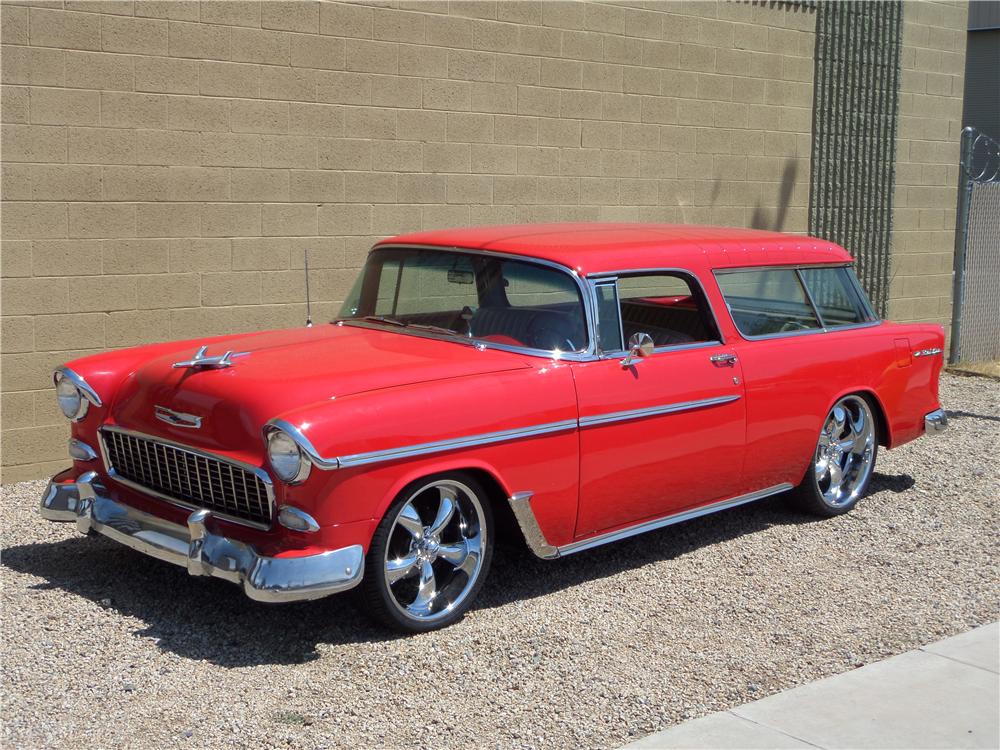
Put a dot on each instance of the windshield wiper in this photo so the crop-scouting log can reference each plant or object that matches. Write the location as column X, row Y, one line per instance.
column 403, row 324
column 384, row 319
column 432, row 328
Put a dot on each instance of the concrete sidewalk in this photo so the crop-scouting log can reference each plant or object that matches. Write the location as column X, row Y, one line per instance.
column 940, row 696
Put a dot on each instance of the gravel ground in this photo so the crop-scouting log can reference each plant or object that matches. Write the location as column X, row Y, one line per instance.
column 106, row 648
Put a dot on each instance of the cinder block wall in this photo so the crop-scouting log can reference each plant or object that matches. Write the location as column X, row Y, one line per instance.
column 165, row 164
column 932, row 85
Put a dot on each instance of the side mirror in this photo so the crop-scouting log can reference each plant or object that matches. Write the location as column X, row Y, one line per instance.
column 639, row 345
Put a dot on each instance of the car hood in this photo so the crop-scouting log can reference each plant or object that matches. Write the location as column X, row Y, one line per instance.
column 278, row 371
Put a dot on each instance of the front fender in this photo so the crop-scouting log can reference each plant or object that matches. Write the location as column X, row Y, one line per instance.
column 363, row 444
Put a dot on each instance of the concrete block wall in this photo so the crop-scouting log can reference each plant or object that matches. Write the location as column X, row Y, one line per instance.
column 165, row 163
column 932, row 84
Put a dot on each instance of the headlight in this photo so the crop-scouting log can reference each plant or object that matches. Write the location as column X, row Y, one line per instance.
column 289, row 462
column 71, row 399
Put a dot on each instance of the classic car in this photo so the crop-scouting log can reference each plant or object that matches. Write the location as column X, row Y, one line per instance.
column 564, row 386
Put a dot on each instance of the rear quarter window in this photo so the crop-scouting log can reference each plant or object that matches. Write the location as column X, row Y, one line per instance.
column 769, row 301
column 764, row 302
column 837, row 296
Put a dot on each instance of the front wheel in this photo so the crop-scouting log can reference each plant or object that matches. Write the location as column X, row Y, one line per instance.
column 843, row 462
column 430, row 554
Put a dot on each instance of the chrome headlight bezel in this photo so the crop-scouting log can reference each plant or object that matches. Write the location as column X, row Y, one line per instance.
column 73, row 394
column 290, row 463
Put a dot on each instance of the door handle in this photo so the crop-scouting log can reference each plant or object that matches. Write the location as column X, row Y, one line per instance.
column 723, row 360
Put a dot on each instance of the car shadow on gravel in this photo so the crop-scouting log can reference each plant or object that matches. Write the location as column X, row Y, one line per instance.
column 209, row 620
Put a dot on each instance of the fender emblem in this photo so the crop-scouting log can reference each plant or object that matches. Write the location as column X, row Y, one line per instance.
column 177, row 418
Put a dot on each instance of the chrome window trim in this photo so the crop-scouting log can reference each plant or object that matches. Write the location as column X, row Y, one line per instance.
column 593, row 284
column 258, row 471
column 810, row 298
column 584, row 355
column 486, row 438
column 652, row 411
column 520, row 503
column 797, row 267
column 554, row 355
column 595, row 278
column 663, row 349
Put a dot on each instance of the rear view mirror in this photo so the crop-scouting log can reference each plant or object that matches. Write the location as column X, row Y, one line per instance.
column 456, row 276
column 640, row 345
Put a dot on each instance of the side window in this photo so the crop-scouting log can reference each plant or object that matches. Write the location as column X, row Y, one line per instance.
column 667, row 307
column 608, row 323
column 836, row 295
column 768, row 301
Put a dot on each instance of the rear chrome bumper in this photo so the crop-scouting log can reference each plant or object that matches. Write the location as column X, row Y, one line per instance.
column 935, row 422
column 264, row 579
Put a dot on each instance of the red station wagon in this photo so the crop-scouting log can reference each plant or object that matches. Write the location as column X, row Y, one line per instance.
column 587, row 382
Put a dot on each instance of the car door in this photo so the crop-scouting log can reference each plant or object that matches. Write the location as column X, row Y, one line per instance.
column 664, row 432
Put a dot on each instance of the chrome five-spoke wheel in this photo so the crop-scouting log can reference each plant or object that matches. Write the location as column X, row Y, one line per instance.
column 430, row 554
column 844, row 458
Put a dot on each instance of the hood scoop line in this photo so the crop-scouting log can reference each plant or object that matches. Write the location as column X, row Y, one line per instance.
column 217, row 362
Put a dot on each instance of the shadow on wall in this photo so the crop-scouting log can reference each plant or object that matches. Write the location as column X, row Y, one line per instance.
column 761, row 218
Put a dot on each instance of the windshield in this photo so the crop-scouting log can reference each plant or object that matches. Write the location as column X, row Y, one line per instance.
column 486, row 298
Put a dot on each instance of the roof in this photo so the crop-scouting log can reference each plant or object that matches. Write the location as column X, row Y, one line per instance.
column 592, row 248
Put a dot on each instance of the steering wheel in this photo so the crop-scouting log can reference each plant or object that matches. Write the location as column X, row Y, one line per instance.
column 546, row 334
column 793, row 325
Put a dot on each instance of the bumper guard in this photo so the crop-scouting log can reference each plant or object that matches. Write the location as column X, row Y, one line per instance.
column 935, row 422
column 264, row 579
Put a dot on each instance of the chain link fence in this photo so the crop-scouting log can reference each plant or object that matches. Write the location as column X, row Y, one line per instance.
column 975, row 333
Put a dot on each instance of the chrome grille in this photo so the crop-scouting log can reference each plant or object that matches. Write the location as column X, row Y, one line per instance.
column 189, row 477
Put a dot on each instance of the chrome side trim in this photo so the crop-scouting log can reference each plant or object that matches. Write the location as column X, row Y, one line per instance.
column 422, row 449
column 303, row 442
column 520, row 503
column 687, row 515
column 201, row 552
column 927, row 352
column 470, row 441
column 89, row 393
column 261, row 474
column 621, row 416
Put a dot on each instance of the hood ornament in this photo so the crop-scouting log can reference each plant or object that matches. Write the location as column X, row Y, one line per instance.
column 217, row 362
column 177, row 418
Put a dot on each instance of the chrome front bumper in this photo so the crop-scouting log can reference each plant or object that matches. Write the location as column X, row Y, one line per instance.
column 935, row 422
column 265, row 579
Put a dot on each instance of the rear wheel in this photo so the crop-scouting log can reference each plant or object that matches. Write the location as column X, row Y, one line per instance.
column 430, row 554
column 843, row 462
